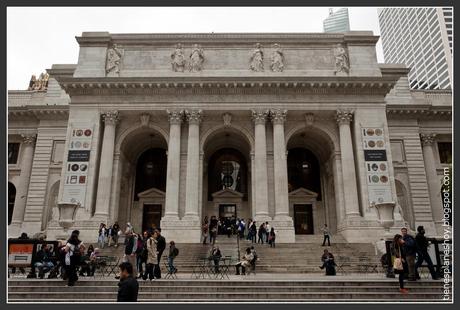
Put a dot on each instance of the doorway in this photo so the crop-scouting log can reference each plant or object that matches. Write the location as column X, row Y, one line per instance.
column 151, row 217
column 303, row 219
column 227, row 214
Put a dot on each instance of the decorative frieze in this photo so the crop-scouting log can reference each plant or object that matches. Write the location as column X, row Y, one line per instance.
column 427, row 139
column 259, row 116
column 344, row 117
column 113, row 61
column 178, row 59
column 257, row 59
column 196, row 59
column 277, row 59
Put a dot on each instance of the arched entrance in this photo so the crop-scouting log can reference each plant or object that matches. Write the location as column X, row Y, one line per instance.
column 226, row 175
column 11, row 199
column 143, row 162
column 311, row 181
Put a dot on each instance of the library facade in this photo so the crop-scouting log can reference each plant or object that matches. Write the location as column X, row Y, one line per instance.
column 161, row 130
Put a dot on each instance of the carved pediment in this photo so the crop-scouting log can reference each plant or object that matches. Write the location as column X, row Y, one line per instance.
column 227, row 193
column 152, row 193
column 303, row 193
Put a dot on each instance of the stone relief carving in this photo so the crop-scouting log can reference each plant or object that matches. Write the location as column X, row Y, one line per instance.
column 178, row 59
column 342, row 63
column 110, row 117
column 278, row 116
column 145, row 119
column 227, row 117
column 28, row 138
column 427, row 139
column 175, row 116
column 257, row 59
column 309, row 119
column 112, row 66
column 40, row 84
column 259, row 116
column 193, row 116
column 196, row 59
column 277, row 59
column 344, row 116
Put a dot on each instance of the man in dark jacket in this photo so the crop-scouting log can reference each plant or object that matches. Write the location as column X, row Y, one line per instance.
column 410, row 248
column 422, row 253
column 128, row 287
column 44, row 261
column 161, row 246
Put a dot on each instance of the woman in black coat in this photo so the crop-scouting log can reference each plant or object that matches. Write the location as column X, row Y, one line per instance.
column 398, row 250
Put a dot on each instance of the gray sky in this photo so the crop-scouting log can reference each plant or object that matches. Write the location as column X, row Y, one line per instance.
column 38, row 37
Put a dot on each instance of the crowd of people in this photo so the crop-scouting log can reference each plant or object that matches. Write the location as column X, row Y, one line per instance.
column 251, row 231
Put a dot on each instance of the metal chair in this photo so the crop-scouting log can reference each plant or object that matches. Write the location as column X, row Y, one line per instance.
column 169, row 274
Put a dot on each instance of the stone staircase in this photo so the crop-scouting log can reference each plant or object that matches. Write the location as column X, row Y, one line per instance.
column 243, row 289
column 301, row 257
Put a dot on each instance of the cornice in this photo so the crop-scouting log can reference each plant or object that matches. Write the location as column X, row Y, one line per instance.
column 39, row 112
column 418, row 111
column 223, row 85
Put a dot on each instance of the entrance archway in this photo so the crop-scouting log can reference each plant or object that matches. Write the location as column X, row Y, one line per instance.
column 143, row 162
column 312, row 197
column 226, row 183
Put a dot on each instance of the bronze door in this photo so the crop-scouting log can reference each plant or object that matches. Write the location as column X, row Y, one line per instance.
column 151, row 217
column 303, row 219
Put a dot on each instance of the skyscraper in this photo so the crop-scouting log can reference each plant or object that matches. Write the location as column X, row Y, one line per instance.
column 422, row 39
column 337, row 21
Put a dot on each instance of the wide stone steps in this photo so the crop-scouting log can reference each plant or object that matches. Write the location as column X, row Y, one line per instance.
column 243, row 290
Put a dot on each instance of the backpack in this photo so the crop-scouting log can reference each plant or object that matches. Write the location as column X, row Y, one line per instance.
column 176, row 251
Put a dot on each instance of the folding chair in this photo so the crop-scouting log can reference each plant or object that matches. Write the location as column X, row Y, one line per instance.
column 169, row 274
column 344, row 261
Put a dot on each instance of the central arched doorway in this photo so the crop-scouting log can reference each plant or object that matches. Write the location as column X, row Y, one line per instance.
column 227, row 190
column 311, row 181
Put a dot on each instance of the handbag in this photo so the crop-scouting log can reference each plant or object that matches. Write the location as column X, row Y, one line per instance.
column 398, row 264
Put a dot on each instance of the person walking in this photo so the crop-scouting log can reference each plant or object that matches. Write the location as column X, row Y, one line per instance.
column 410, row 249
column 205, row 229
column 272, row 237
column 73, row 249
column 400, row 266
column 173, row 252
column 128, row 287
column 161, row 246
column 115, row 233
column 327, row 235
column 152, row 257
column 261, row 233
column 130, row 249
column 101, row 237
column 422, row 254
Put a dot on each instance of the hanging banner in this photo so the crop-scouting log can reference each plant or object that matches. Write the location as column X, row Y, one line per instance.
column 76, row 172
column 375, row 159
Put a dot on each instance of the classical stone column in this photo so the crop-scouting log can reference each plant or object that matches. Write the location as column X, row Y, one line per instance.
column 104, row 184
column 278, row 118
column 173, row 166
column 350, row 189
column 28, row 142
column 434, row 183
column 260, row 166
column 192, row 180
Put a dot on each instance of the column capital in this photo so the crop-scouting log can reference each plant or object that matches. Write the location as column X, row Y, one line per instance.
column 28, row 139
column 427, row 138
column 259, row 116
column 175, row 116
column 344, row 117
column 278, row 116
column 193, row 116
column 110, row 117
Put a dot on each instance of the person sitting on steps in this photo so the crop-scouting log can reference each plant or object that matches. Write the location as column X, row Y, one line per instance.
column 245, row 262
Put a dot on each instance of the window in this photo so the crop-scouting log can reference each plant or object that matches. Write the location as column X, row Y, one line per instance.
column 58, row 152
column 13, row 152
column 397, row 151
column 445, row 152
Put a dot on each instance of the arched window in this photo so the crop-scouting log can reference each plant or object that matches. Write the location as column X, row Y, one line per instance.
column 11, row 199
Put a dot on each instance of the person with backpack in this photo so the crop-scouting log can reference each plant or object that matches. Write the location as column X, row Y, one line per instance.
column 272, row 237
column 410, row 249
column 73, row 249
column 261, row 233
column 173, row 252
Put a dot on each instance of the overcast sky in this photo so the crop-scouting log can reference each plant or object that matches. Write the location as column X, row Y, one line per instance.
column 38, row 37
